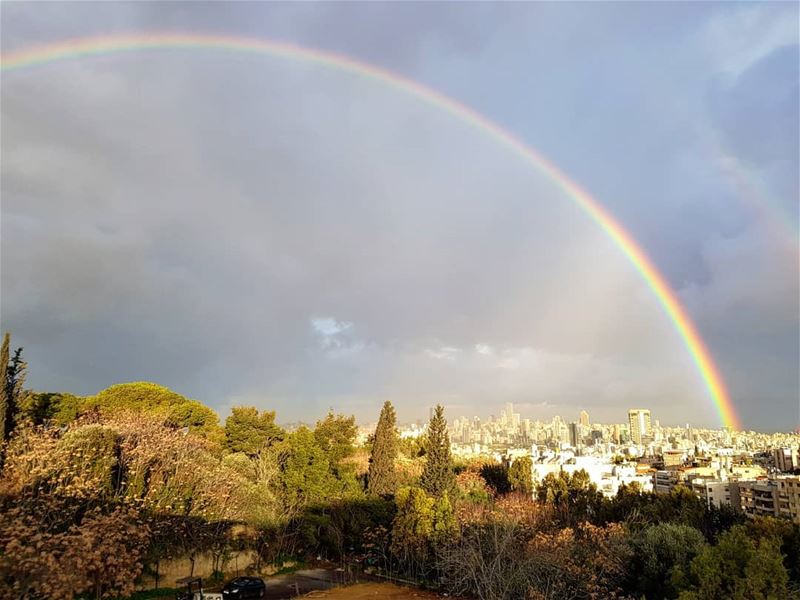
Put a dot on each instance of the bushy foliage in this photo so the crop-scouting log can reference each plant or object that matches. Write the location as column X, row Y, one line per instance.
column 471, row 487
column 739, row 568
column 94, row 490
column 662, row 555
column 306, row 472
column 496, row 477
column 422, row 524
column 50, row 408
column 251, row 432
column 520, row 475
column 99, row 553
column 337, row 528
column 574, row 497
column 153, row 399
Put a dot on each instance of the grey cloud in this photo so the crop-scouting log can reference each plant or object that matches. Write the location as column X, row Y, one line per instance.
column 757, row 112
column 184, row 217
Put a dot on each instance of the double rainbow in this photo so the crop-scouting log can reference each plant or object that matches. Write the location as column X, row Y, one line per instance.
column 92, row 46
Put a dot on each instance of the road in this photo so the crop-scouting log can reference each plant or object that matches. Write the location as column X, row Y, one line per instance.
column 303, row 581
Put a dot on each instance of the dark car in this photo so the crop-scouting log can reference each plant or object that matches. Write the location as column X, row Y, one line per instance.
column 244, row 587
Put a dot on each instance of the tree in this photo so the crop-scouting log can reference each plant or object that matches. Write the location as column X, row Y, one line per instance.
column 154, row 399
column 574, row 497
column 738, row 568
column 47, row 407
column 553, row 489
column 789, row 535
column 437, row 475
column 12, row 378
column 444, row 519
column 336, row 435
column 5, row 401
column 305, row 472
column 496, row 477
column 520, row 475
column 662, row 554
column 382, row 476
column 248, row 431
column 412, row 529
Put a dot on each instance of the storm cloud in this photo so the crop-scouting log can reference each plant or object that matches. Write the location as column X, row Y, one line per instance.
column 251, row 229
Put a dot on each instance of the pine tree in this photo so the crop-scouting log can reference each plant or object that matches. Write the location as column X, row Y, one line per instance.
column 382, row 479
column 437, row 476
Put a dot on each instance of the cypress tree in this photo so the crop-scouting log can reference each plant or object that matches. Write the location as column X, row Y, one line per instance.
column 438, row 477
column 4, row 400
column 382, row 479
column 12, row 378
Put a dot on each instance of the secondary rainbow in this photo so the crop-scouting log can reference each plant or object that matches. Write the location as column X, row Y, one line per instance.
column 84, row 47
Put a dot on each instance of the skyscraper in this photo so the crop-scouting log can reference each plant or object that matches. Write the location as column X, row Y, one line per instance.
column 575, row 435
column 584, row 418
column 639, row 419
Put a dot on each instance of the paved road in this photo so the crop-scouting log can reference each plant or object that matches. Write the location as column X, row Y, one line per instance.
column 301, row 582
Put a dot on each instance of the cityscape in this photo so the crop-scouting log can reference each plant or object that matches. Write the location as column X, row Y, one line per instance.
column 757, row 473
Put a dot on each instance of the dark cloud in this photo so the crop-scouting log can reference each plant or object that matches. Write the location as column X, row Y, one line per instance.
column 757, row 112
column 250, row 229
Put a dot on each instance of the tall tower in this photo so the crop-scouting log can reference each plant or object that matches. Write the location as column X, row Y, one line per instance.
column 639, row 420
column 584, row 418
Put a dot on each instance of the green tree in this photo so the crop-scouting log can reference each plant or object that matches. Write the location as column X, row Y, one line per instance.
column 12, row 379
column 553, row 489
column 382, row 476
column 438, row 476
column 789, row 535
column 250, row 431
column 199, row 418
column 336, row 435
column 662, row 555
column 141, row 396
column 443, row 518
column 738, row 568
column 520, row 475
column 147, row 397
column 305, row 471
column 48, row 407
column 412, row 528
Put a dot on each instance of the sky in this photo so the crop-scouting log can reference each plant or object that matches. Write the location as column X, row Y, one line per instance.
column 253, row 230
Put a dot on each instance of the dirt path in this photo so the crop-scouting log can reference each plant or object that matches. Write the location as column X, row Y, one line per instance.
column 329, row 583
column 372, row 591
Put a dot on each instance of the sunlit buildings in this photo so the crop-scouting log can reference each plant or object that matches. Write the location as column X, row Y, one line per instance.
column 785, row 459
column 640, row 429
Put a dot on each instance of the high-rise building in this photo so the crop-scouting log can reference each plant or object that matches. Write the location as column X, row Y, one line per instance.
column 575, row 437
column 785, row 459
column 584, row 418
column 640, row 429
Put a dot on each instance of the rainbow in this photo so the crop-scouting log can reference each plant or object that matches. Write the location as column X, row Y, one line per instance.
column 92, row 46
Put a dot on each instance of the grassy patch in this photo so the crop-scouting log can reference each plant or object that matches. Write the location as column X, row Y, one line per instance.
column 289, row 567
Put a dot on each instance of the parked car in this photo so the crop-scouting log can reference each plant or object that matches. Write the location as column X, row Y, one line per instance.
column 244, row 587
